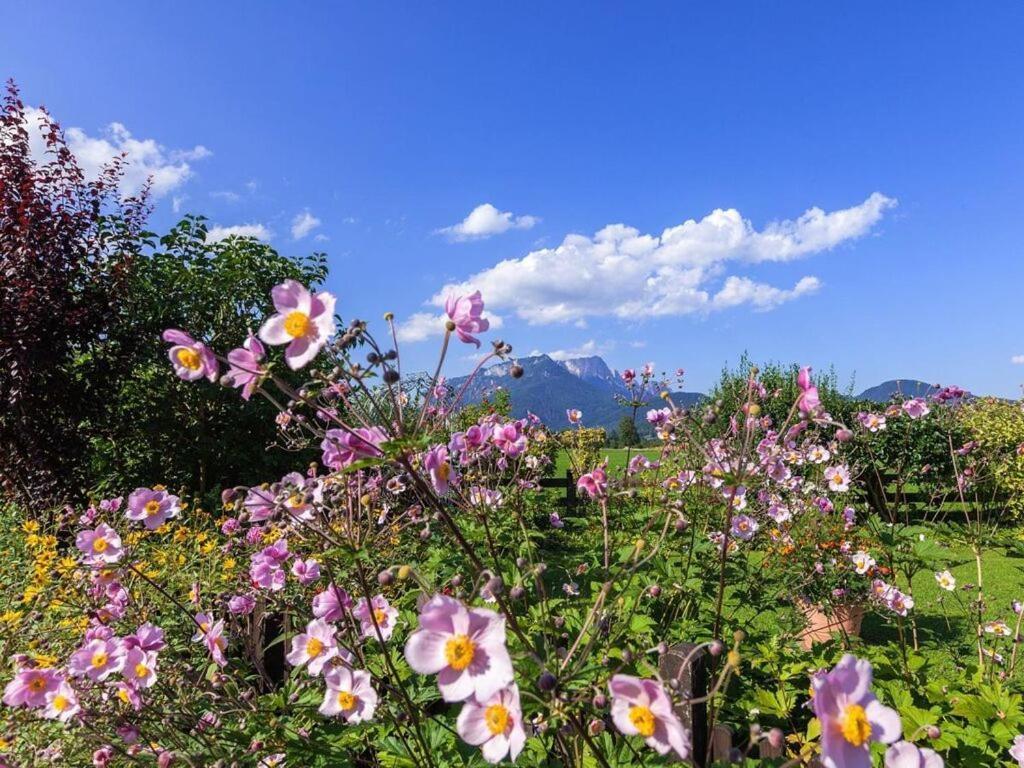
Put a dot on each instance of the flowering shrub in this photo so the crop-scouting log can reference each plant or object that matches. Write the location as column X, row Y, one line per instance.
column 409, row 600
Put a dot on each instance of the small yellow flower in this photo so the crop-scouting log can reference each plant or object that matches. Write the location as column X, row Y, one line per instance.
column 30, row 526
column 10, row 618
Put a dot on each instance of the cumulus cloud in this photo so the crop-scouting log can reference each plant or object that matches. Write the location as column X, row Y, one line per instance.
column 1017, row 359
column 621, row 272
column 303, row 224
column 145, row 159
column 259, row 231
column 486, row 221
column 588, row 348
column 424, row 325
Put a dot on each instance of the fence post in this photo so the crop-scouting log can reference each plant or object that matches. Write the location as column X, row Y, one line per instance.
column 570, row 490
column 687, row 665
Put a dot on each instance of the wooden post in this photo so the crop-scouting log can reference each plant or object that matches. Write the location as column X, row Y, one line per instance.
column 689, row 668
column 570, row 490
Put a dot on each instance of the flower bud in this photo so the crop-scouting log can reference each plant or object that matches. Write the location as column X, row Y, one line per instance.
column 776, row 738
column 404, row 572
column 385, row 577
column 391, row 376
column 495, row 585
column 600, row 701
column 716, row 647
column 455, row 580
column 933, row 732
column 844, row 435
column 596, row 726
column 654, row 590
column 547, row 682
column 517, row 592
column 516, row 371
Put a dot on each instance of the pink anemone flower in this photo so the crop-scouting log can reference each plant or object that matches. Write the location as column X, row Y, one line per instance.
column 594, row 483
column 245, row 366
column 152, row 507
column 642, row 708
column 315, row 647
column 464, row 647
column 494, row 724
column 191, row 359
column 442, row 473
column 906, row 755
column 30, row 687
column 850, row 715
column 379, row 610
column 303, row 321
column 350, row 695
column 465, row 313
column 99, row 546
column 344, row 447
column 62, row 703
column 97, row 660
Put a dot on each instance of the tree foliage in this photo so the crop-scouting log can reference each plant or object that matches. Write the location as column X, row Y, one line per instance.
column 153, row 424
column 67, row 246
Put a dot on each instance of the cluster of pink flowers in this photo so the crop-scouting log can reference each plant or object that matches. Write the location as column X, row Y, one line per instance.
column 465, row 648
column 266, row 569
column 891, row 597
column 125, row 666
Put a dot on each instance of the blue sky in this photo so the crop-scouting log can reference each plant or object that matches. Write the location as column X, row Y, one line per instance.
column 388, row 123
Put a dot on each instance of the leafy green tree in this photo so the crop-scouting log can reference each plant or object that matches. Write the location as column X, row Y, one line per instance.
column 627, row 435
column 157, row 428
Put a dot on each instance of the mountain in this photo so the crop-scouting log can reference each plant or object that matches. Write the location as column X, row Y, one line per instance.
column 885, row 391
column 548, row 388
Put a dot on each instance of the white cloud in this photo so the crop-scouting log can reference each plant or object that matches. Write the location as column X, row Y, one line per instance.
column 217, row 232
column 743, row 290
column 145, row 159
column 620, row 272
column 177, row 202
column 586, row 349
column 423, row 325
column 303, row 224
column 1017, row 359
column 227, row 195
column 486, row 221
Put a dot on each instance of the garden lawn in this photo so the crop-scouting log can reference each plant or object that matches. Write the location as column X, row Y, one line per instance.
column 1003, row 582
column 617, row 458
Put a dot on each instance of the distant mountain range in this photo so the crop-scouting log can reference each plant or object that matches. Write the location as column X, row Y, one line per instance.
column 885, row 391
column 549, row 387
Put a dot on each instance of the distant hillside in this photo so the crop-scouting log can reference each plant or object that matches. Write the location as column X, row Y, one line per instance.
column 884, row 392
column 549, row 387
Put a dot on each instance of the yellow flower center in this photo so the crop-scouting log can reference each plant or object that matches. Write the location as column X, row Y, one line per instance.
column 189, row 358
column 152, row 507
column 496, row 717
column 122, row 694
column 314, row 647
column 296, row 324
column 854, row 725
column 837, row 479
column 379, row 616
column 99, row 659
column 37, row 684
column 459, row 652
column 346, row 700
column 444, row 471
column 60, row 703
column 141, row 670
column 643, row 720
column 99, row 544
column 295, row 500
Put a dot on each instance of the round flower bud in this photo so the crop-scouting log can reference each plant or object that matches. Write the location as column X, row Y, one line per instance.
column 517, row 592
column 516, row 371
column 455, row 580
column 844, row 435
column 404, row 572
column 600, row 701
column 716, row 647
column 495, row 585
column 596, row 726
column 547, row 682
column 391, row 376
column 449, row 326
column 655, row 590
column 933, row 732
column 627, row 657
column 385, row 577
column 776, row 738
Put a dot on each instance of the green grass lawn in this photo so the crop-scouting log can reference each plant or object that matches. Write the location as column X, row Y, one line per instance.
column 617, row 458
column 940, row 616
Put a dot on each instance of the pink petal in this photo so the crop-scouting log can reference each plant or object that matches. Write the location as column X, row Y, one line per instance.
column 273, row 332
column 425, row 652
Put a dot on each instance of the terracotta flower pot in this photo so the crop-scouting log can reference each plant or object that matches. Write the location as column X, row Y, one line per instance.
column 844, row 620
